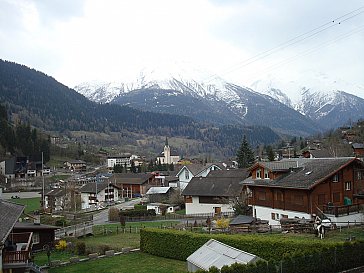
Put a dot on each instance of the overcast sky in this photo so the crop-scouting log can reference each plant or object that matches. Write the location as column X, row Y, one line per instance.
column 83, row 40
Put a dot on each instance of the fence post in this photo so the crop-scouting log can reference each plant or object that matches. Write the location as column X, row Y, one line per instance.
column 130, row 229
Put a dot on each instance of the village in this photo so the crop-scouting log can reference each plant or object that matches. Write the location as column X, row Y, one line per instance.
column 308, row 194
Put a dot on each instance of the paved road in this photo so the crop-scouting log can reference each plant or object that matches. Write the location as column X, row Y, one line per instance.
column 31, row 194
column 102, row 217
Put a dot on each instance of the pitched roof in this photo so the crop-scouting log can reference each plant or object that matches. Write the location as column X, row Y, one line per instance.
column 9, row 215
column 130, row 178
column 322, row 153
column 29, row 225
column 213, row 186
column 196, row 169
column 242, row 219
column 55, row 192
column 158, row 190
column 215, row 253
column 358, row 146
column 238, row 173
column 310, row 174
column 91, row 187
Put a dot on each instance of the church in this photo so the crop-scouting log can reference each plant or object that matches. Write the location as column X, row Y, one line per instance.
column 167, row 157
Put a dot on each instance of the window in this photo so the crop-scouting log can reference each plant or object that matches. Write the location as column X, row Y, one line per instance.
column 266, row 174
column 348, row 186
column 359, row 175
column 321, row 199
column 335, row 178
column 35, row 238
column 336, row 197
column 273, row 216
column 187, row 174
column 284, row 216
column 259, row 173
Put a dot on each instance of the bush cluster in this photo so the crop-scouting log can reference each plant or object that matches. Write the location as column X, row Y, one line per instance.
column 137, row 213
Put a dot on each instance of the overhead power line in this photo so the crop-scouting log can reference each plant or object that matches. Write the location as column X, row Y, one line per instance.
column 295, row 40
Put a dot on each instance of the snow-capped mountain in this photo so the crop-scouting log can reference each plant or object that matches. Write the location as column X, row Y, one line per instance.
column 327, row 101
column 202, row 96
column 209, row 98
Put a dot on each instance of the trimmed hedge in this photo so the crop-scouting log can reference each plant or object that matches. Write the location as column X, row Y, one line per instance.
column 179, row 245
column 137, row 213
column 334, row 259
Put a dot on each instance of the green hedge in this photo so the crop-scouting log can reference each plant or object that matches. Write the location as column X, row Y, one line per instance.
column 179, row 245
column 333, row 259
column 137, row 213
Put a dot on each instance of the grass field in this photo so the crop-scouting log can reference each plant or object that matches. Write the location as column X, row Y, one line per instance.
column 127, row 263
column 31, row 204
column 41, row 258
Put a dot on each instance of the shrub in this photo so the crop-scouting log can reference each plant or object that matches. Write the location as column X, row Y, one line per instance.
column 103, row 248
column 113, row 214
column 80, row 248
column 61, row 245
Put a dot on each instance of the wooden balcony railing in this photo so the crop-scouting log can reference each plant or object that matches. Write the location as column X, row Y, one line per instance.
column 22, row 246
column 342, row 210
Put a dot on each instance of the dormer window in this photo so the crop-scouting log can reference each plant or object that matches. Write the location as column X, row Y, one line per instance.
column 187, row 174
column 259, row 173
column 335, row 178
column 266, row 174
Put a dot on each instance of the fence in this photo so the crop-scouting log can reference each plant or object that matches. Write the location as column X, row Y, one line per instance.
column 174, row 216
column 78, row 230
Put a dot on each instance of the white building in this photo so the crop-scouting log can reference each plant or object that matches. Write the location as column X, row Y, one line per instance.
column 123, row 159
column 167, row 157
column 190, row 171
column 95, row 195
column 210, row 195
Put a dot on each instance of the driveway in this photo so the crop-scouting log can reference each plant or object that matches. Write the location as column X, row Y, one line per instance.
column 102, row 217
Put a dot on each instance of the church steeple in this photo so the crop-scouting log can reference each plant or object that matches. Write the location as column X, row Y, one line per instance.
column 166, row 142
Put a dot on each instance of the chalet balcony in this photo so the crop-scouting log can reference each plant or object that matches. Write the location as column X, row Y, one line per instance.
column 17, row 250
column 342, row 210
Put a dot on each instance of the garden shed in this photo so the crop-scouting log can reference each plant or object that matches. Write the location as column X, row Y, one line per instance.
column 215, row 253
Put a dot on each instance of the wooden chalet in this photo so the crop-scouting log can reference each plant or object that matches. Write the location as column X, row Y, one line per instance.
column 15, row 247
column 358, row 149
column 133, row 184
column 303, row 187
column 42, row 234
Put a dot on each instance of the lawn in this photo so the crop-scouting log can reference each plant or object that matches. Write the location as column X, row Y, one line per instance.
column 31, row 204
column 127, row 263
column 41, row 258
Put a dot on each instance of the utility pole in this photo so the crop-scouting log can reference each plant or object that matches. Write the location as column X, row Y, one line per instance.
column 43, row 197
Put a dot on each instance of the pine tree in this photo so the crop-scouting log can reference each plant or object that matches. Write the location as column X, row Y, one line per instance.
column 270, row 153
column 245, row 154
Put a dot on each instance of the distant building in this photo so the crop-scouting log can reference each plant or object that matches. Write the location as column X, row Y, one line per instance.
column 167, row 156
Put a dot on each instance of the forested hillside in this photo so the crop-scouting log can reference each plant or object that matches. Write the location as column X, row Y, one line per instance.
column 33, row 98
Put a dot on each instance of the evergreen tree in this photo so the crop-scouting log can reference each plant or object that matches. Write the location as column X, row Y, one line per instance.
column 270, row 153
column 132, row 167
column 245, row 155
column 118, row 168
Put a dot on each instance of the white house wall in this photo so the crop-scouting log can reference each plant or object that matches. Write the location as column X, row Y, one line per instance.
column 182, row 176
column 196, row 207
column 265, row 213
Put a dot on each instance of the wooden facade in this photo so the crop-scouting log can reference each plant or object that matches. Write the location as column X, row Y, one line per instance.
column 342, row 187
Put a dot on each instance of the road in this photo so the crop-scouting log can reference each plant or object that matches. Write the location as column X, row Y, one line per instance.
column 31, row 194
column 102, row 217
